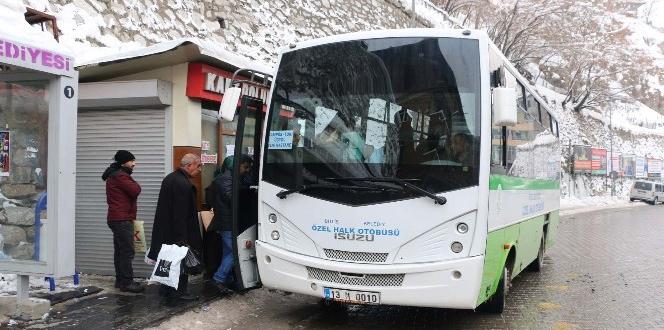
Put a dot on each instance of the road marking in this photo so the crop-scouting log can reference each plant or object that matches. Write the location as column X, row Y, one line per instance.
column 559, row 288
column 548, row 306
column 562, row 325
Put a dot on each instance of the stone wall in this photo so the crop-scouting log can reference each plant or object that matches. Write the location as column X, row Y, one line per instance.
column 254, row 28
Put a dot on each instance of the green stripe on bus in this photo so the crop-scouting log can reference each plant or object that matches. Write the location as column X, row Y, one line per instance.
column 525, row 238
column 506, row 182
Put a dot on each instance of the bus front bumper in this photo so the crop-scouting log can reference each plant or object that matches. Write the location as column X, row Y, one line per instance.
column 431, row 284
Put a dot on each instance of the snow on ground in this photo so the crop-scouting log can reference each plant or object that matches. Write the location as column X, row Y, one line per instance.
column 574, row 205
column 8, row 284
column 592, row 201
column 432, row 13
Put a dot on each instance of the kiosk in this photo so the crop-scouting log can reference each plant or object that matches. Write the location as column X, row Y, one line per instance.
column 38, row 102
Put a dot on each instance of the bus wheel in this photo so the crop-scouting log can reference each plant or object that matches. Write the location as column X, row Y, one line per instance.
column 496, row 304
column 538, row 263
column 655, row 201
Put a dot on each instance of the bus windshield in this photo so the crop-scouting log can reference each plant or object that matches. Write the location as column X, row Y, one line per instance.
column 404, row 108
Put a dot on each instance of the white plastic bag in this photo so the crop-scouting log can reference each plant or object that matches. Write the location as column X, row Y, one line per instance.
column 167, row 269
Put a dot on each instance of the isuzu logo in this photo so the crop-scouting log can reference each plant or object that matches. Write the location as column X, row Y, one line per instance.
column 354, row 237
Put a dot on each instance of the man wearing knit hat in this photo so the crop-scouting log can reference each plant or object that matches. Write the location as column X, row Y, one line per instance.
column 121, row 196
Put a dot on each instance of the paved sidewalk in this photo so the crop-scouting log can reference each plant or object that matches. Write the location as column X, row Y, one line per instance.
column 112, row 309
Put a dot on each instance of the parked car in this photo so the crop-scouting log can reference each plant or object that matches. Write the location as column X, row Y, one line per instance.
column 647, row 191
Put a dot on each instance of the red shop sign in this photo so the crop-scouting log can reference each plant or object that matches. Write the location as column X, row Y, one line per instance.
column 208, row 83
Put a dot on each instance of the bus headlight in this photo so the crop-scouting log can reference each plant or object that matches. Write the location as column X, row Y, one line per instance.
column 462, row 228
column 457, row 247
column 272, row 218
column 275, row 235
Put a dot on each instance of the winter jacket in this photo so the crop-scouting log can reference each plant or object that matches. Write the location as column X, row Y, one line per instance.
column 176, row 217
column 219, row 195
column 220, row 199
column 121, row 193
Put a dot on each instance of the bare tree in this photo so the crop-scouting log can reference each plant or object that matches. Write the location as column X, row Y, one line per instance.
column 575, row 45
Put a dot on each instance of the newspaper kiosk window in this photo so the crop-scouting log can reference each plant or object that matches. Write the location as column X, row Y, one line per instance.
column 23, row 165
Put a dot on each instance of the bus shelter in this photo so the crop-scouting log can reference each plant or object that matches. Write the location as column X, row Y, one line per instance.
column 38, row 100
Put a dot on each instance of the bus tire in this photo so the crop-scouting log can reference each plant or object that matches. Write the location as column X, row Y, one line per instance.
column 538, row 263
column 655, row 201
column 496, row 304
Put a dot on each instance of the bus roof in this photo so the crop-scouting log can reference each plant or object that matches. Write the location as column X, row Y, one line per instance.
column 392, row 33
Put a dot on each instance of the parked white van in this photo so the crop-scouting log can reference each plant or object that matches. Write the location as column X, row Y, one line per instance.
column 647, row 191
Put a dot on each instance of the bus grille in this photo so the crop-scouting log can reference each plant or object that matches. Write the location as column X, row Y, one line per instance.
column 355, row 279
column 355, row 256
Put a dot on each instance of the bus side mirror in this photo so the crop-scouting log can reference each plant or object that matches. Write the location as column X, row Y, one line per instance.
column 504, row 106
column 229, row 103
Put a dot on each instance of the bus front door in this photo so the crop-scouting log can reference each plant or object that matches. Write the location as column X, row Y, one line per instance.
column 245, row 192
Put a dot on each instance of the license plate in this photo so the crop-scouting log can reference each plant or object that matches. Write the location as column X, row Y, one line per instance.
column 351, row 296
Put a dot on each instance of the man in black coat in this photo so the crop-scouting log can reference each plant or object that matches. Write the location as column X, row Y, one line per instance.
column 176, row 218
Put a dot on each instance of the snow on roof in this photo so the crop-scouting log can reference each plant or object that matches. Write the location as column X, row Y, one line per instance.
column 206, row 48
column 13, row 26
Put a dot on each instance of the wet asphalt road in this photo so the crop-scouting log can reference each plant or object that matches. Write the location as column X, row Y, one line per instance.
column 605, row 272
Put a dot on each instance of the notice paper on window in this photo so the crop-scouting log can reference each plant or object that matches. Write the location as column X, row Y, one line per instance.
column 280, row 140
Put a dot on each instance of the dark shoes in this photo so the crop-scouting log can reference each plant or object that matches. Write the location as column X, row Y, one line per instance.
column 223, row 289
column 185, row 297
column 132, row 287
column 176, row 299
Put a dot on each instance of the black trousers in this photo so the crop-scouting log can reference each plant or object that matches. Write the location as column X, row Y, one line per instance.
column 123, row 245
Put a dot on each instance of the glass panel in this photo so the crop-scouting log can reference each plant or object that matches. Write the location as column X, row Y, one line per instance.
column 23, row 166
column 209, row 148
column 519, row 97
column 643, row 186
column 396, row 107
column 546, row 120
column 531, row 150
column 496, row 145
column 532, row 106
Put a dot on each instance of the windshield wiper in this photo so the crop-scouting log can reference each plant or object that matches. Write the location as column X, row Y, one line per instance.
column 284, row 193
column 406, row 183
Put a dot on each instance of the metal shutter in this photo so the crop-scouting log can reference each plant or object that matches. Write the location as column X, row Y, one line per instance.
column 100, row 135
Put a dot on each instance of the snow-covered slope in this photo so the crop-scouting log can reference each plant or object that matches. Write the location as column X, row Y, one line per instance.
column 256, row 31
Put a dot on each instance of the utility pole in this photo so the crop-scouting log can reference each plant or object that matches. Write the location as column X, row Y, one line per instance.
column 412, row 15
column 613, row 170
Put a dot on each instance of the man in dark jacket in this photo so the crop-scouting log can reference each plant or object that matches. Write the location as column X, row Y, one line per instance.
column 223, row 219
column 121, row 195
column 176, row 218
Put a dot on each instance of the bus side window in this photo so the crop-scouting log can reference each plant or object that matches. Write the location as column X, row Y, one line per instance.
column 497, row 145
column 532, row 106
column 546, row 120
column 520, row 99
